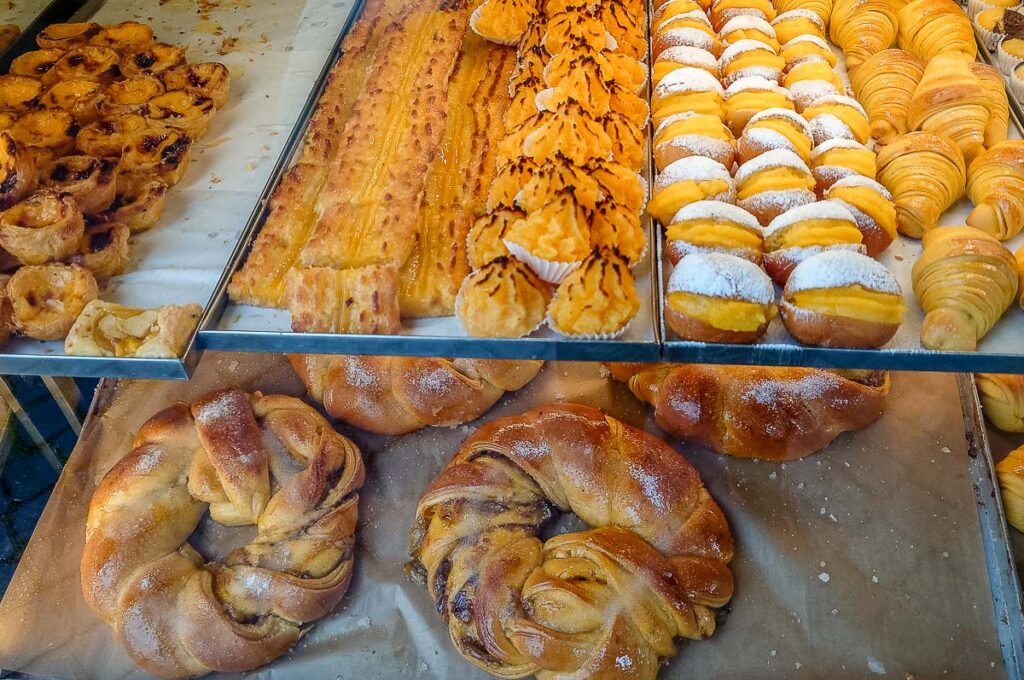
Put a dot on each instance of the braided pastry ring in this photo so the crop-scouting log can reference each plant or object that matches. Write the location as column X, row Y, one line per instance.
column 600, row 603
column 179, row 616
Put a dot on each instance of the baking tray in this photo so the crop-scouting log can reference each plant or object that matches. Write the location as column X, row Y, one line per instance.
column 277, row 53
column 1002, row 350
column 867, row 558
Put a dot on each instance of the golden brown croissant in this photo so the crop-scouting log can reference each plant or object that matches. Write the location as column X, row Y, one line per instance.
column 175, row 614
column 964, row 280
column 395, row 395
column 999, row 107
column 995, row 185
column 951, row 101
column 584, row 604
column 1002, row 400
column 884, row 87
column 931, row 27
column 772, row 413
column 925, row 174
column 1010, row 472
column 862, row 28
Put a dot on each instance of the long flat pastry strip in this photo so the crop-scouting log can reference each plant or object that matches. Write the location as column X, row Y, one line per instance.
column 359, row 300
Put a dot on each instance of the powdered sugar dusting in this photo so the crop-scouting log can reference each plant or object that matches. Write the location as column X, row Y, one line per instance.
column 861, row 181
column 806, row 92
column 795, row 14
column 692, row 168
column 841, row 100
column 742, row 47
column 776, row 158
column 699, row 145
column 722, row 276
column 357, row 374
column 768, row 139
column 807, row 37
column 746, row 22
column 778, row 112
column 687, row 79
column 820, row 210
column 838, row 268
column 687, row 54
column 717, row 211
column 694, row 15
column 694, row 37
column 826, row 126
column 651, row 485
column 767, row 72
column 756, row 83
column 833, row 144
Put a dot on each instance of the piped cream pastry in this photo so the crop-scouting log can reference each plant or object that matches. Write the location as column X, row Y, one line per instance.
column 686, row 181
column 773, row 183
column 485, row 241
column 838, row 117
column 693, row 134
column 773, row 129
column 797, row 22
column 872, row 207
column 748, row 28
column 510, row 178
column 748, row 96
column 837, row 158
column 615, row 225
column 503, row 299
column 746, row 58
column 804, row 47
column 554, row 177
column 568, row 131
column 553, row 239
column 806, row 230
column 575, row 26
column 597, row 300
column 714, row 226
column 687, row 90
column 681, row 56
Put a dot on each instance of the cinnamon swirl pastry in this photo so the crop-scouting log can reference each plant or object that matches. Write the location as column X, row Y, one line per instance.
column 210, row 79
column 160, row 153
column 138, row 201
column 44, row 227
column 46, row 299
column 87, row 179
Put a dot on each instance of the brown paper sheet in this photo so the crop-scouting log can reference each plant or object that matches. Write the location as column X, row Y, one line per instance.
column 863, row 561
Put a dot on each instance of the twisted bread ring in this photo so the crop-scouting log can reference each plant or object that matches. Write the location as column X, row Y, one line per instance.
column 177, row 615
column 600, row 603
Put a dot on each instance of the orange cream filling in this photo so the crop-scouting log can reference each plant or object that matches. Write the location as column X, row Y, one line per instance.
column 667, row 202
column 712, row 234
column 799, row 50
column 726, row 315
column 801, row 143
column 752, row 34
column 697, row 102
column 819, row 232
column 813, row 70
column 791, row 28
column 857, row 123
column 764, row 5
column 774, row 179
column 853, row 302
column 752, row 59
column 686, row 22
column 861, row 161
column 869, row 202
column 757, row 100
column 703, row 124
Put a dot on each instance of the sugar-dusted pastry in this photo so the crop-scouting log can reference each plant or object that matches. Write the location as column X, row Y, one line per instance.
column 18, row 173
column 838, row 117
column 107, row 137
column 928, row 28
column 714, row 297
column 152, row 60
column 44, row 227
column 80, row 98
column 48, row 133
column 553, row 239
column 138, row 201
column 486, row 237
column 804, row 47
column 504, row 298
column 681, row 56
column 210, row 79
column 687, row 90
column 999, row 106
column 797, row 22
column 748, row 96
column 871, row 205
column 884, row 87
column 964, row 281
column 596, row 300
column 48, row 298
column 862, row 28
column 805, row 231
column 87, row 179
column 162, row 153
column 182, row 110
column 104, row 329
column 773, row 129
column 1002, row 399
column 840, row 298
column 926, row 174
column 810, row 80
column 354, row 300
column 951, row 101
column 615, row 225
column 103, row 250
column 691, row 29
column 19, row 94
column 686, row 181
column 723, row 11
column 773, row 183
column 693, row 134
column 99, row 64
column 745, row 58
column 748, row 28
column 671, row 8
column 837, row 158
column 547, row 180
column 129, row 95
column 714, row 226
column 36, row 63
column 995, row 185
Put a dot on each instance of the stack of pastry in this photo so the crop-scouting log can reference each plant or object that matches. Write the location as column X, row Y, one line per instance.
column 94, row 127
column 562, row 227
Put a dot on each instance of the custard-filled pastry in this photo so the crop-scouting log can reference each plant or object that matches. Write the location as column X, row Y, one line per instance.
column 619, row 182
column 486, row 239
column 995, row 185
column 161, row 153
column 714, row 226
column 964, row 281
column 687, row 90
column 884, row 87
column 104, row 329
column 810, row 81
column 999, row 107
column 85, row 63
column 107, row 137
column 126, row 36
column 775, row 129
column 503, row 21
column 687, row 29
column 53, row 130
column 1010, row 472
column 862, row 28
column 773, row 183
column 838, row 117
column 670, row 8
column 723, row 11
column 80, row 98
column 44, row 227
column 502, row 299
column 19, row 94
column 129, row 95
column 35, row 64
column 926, row 175
column 67, row 36
column 614, row 225
column 714, row 297
column 152, row 60
column 48, row 298
column 89, row 180
column 103, row 250
column 681, row 56
column 872, row 206
column 745, row 58
column 823, row 8
column 553, row 239
column 209, row 78
column 693, row 134
column 182, row 110
column 928, row 28
column 951, row 101
column 805, row 231
column 840, row 298
column 797, row 22
column 748, row 96
column 804, row 47
column 549, row 179
column 686, row 181
column 748, row 28
column 138, row 201
column 839, row 158
column 1002, row 400
column 597, row 300
column 18, row 172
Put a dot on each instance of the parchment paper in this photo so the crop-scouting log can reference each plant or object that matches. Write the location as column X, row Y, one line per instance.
column 864, row 560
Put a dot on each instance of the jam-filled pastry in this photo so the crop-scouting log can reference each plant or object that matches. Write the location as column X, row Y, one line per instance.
column 574, row 26
column 50, row 130
column 614, row 225
column 620, row 183
column 714, row 226
column 748, row 96
column 502, row 21
column 995, row 185
column 723, row 11
column 161, row 153
column 107, row 137
column 553, row 239
column 840, row 298
column 748, row 28
column 929, row 28
column 837, row 158
column 44, row 227
column 80, row 98
column 964, row 281
column 486, row 239
column 598, row 299
column 872, row 206
column 773, row 129
column 129, row 95
column 127, row 36
column 773, row 183
column 688, row 29
column 138, row 201
column 807, row 230
column 19, row 94
column 797, row 22
column 189, row 112
column 682, row 56
column 67, row 36
column 152, row 60
column 209, row 78
column 926, row 174
column 862, row 28
column 687, row 90
column 693, row 134
column 951, row 101
column 104, row 329
column 823, row 8
column 838, row 117
column 686, row 181
column 18, row 173
column 103, row 250
column 884, row 87
column 87, row 179
column 502, row 299
column 47, row 298
column 745, row 58
column 551, row 178
column 36, row 63
column 713, row 297
column 85, row 63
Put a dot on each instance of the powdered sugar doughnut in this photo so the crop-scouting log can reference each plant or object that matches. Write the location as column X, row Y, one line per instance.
column 748, row 96
column 872, row 206
column 773, row 183
column 746, row 58
column 686, row 181
column 806, row 230
column 713, row 226
column 835, row 159
column 775, row 129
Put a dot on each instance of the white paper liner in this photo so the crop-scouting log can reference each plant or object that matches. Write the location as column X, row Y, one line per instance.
column 584, row 336
column 1016, row 86
column 458, row 306
column 548, row 270
column 1006, row 61
column 990, row 38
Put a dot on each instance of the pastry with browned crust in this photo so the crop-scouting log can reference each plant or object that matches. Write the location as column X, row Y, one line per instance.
column 360, row 300
column 104, row 329
column 47, row 298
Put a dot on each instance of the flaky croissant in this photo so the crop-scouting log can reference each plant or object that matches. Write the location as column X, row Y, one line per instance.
column 951, row 101
column 925, row 174
column 999, row 107
column 931, row 27
column 1002, row 400
column 772, row 413
column 964, row 280
column 995, row 185
column 884, row 87
column 862, row 28
column 1010, row 472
